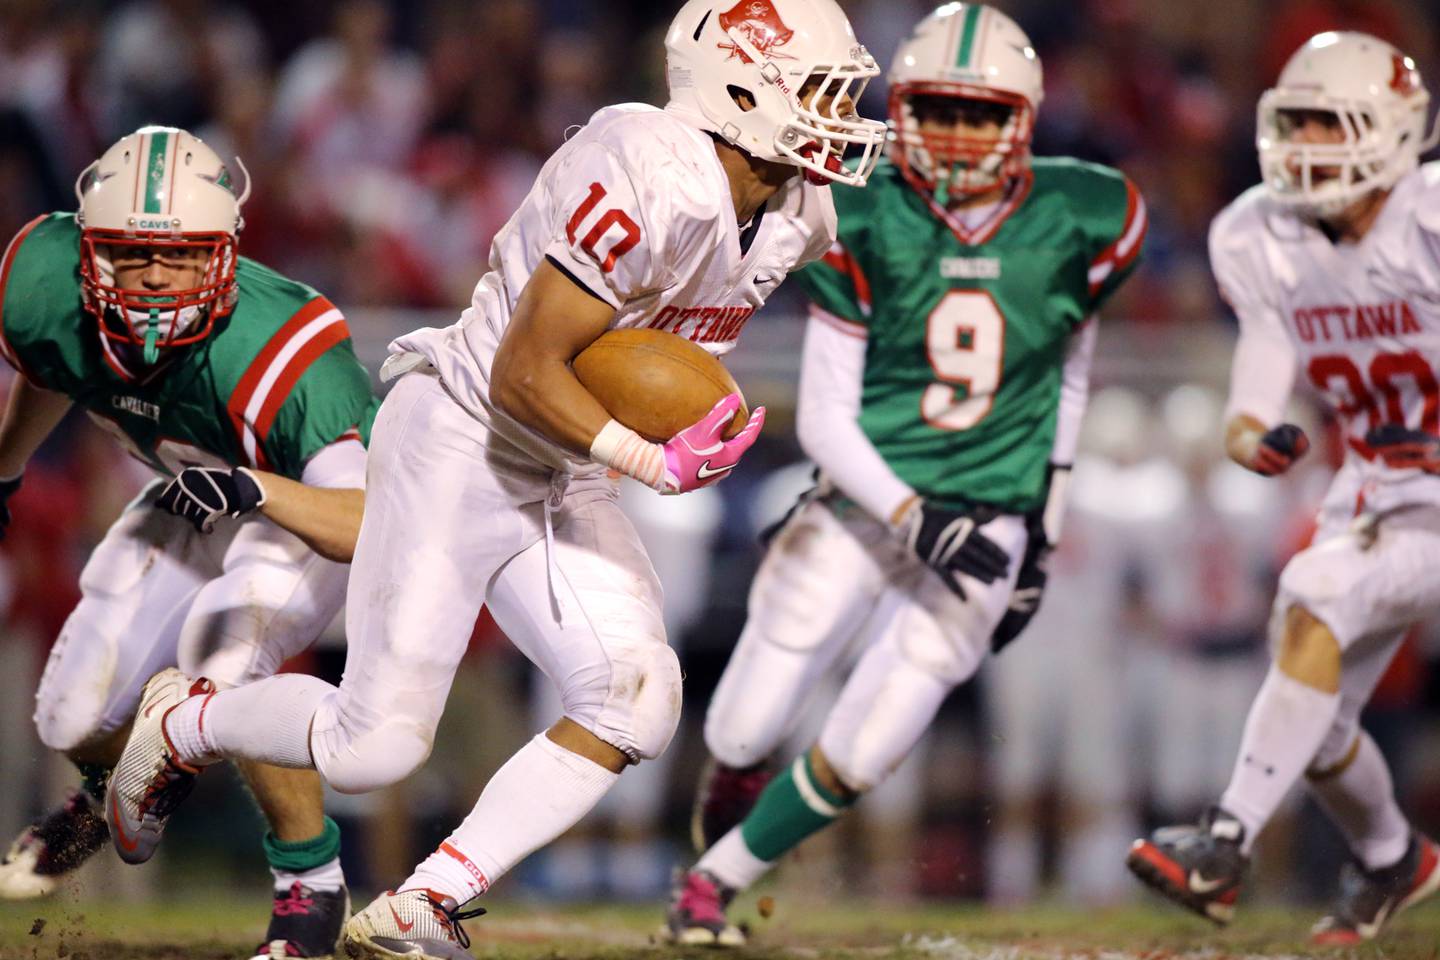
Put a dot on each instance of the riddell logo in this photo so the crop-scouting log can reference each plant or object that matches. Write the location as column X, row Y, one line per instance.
column 759, row 23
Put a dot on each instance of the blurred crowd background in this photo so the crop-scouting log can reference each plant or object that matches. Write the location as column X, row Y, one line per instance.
column 388, row 141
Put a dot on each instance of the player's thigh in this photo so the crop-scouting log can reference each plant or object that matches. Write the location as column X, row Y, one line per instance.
column 586, row 609
column 135, row 589
column 272, row 599
column 817, row 587
column 1365, row 594
column 933, row 641
column 441, row 516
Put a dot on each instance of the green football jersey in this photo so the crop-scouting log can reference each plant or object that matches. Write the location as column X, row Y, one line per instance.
column 275, row 382
column 966, row 328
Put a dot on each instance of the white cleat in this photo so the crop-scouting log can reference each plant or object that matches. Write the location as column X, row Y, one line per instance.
column 408, row 925
column 148, row 783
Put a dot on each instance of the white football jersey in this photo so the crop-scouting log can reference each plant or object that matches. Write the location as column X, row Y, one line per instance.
column 1359, row 322
column 636, row 208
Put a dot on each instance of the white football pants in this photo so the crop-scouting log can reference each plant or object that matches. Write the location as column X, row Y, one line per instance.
column 829, row 572
column 456, row 517
column 231, row 605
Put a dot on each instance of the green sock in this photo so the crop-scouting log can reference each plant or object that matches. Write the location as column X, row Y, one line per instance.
column 791, row 808
column 298, row 856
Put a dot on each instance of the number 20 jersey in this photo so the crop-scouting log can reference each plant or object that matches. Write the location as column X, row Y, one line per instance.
column 966, row 326
column 636, row 208
column 1358, row 322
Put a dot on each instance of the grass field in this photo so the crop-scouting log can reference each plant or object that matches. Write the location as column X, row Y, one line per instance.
column 223, row 930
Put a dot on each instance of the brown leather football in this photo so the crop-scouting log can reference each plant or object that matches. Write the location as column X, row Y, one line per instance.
column 656, row 383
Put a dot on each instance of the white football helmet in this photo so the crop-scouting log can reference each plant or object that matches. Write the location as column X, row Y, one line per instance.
column 1379, row 101
column 158, row 187
column 766, row 50
column 970, row 52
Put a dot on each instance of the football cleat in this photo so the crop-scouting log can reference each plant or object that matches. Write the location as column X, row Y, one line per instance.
column 1199, row 866
column 696, row 915
column 1369, row 899
column 149, row 783
column 46, row 851
column 725, row 796
column 410, row 924
column 304, row 923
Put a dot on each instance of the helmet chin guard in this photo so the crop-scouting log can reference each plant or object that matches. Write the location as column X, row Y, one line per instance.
column 737, row 70
column 163, row 190
column 1372, row 94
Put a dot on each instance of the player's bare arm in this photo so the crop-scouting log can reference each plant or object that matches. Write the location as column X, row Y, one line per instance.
column 327, row 520
column 31, row 413
column 531, row 380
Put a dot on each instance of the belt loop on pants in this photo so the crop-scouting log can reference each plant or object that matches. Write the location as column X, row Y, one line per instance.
column 559, row 481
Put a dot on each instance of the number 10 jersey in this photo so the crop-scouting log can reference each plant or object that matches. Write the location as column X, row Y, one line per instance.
column 966, row 325
column 635, row 208
column 1359, row 322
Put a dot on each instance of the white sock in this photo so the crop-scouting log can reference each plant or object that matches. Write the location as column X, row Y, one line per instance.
column 267, row 721
column 1360, row 798
column 732, row 863
column 327, row 877
column 1287, row 723
column 540, row 792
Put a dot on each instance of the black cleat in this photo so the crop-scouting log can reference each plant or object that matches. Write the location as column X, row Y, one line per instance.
column 725, row 796
column 1369, row 899
column 304, row 923
column 1199, row 866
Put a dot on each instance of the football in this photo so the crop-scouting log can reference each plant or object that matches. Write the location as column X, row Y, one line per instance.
column 656, row 383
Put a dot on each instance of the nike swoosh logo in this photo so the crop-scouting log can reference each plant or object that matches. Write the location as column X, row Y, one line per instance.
column 705, row 473
column 118, row 826
column 1369, row 931
column 1198, row 884
column 404, row 927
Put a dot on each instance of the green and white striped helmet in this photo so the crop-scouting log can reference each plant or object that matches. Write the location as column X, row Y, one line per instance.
column 159, row 187
column 967, row 51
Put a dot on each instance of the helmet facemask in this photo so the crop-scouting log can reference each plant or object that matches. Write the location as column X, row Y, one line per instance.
column 1322, row 179
column 825, row 124
column 157, row 320
column 947, row 165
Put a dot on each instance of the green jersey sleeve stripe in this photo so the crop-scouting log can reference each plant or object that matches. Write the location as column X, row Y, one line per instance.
column 11, row 252
column 248, row 397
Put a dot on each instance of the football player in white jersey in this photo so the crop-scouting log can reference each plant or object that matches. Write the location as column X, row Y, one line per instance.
column 1333, row 267
column 489, row 481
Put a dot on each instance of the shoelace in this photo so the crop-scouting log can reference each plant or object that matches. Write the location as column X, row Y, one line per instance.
column 451, row 917
column 294, row 903
column 171, row 785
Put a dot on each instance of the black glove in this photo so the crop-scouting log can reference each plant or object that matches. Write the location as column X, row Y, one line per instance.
column 950, row 543
column 7, row 490
column 1402, row 448
column 204, row 494
column 1279, row 448
column 1029, row 587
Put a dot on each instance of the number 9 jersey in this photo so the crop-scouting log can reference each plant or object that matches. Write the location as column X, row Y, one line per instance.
column 967, row 322
column 1360, row 322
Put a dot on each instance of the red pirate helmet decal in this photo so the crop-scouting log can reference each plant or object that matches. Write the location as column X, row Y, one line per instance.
column 759, row 22
column 1406, row 79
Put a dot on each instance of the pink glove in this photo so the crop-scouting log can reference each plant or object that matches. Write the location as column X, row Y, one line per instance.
column 697, row 457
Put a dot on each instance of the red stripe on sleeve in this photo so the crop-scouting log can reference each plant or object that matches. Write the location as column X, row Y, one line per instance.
column 250, row 380
column 294, row 370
